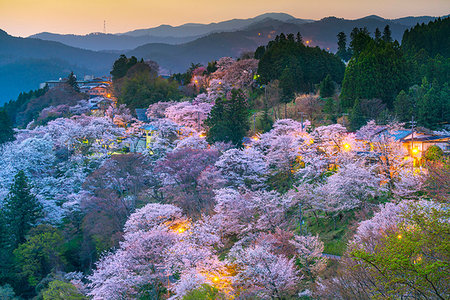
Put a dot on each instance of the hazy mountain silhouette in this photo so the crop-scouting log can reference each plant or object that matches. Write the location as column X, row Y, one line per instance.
column 165, row 34
column 100, row 41
column 25, row 62
column 196, row 29
column 322, row 33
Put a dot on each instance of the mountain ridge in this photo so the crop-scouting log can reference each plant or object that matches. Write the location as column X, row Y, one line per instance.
column 26, row 62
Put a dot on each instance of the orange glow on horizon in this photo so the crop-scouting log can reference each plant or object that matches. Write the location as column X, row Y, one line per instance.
column 19, row 17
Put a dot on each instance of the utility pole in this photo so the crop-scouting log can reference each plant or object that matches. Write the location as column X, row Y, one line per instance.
column 104, row 26
column 300, row 217
column 413, row 123
column 301, row 116
column 254, row 123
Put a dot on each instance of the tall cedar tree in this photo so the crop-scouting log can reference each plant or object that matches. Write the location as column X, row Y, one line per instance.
column 377, row 34
column 356, row 118
column 228, row 120
column 72, row 81
column 303, row 67
column 21, row 209
column 6, row 130
column 427, row 49
column 387, row 35
column 376, row 70
column 343, row 52
column 360, row 38
column 327, row 87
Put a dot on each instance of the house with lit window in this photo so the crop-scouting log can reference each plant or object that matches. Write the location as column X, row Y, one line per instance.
column 415, row 143
column 102, row 90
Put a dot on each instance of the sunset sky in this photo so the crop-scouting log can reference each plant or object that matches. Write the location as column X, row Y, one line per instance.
column 26, row 17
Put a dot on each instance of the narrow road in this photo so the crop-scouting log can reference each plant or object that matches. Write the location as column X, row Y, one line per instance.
column 331, row 256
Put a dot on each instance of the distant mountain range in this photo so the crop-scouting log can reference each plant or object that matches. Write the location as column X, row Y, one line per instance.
column 26, row 62
column 164, row 34
column 174, row 35
column 322, row 33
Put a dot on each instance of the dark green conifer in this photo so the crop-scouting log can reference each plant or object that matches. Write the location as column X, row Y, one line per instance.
column 21, row 209
column 6, row 129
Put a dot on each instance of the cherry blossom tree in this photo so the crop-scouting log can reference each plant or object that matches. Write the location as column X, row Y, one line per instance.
column 240, row 73
column 309, row 252
column 85, row 133
column 217, row 88
column 139, row 263
column 180, row 172
column 233, row 212
column 345, row 190
column 389, row 153
column 119, row 115
column 164, row 138
column 194, row 141
column 264, row 274
column 188, row 114
column 158, row 109
column 243, row 168
column 240, row 213
column 224, row 63
column 332, row 140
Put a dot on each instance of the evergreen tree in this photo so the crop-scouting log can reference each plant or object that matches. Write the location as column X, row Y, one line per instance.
column 301, row 67
column 288, row 83
column 379, row 71
column 265, row 122
column 260, row 52
column 6, row 130
column 72, row 81
column 132, row 61
column 5, row 251
column 299, row 38
column 426, row 48
column 343, row 52
column 329, row 109
column 356, row 118
column 433, row 37
column 120, row 67
column 327, row 87
column 360, row 38
column 21, row 209
column 212, row 67
column 403, row 106
column 377, row 35
column 433, row 108
column 228, row 120
column 387, row 35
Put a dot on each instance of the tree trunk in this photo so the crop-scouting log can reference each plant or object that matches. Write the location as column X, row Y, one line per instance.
column 317, row 218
